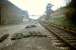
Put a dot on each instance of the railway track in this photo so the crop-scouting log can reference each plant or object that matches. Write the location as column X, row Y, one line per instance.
column 55, row 40
column 64, row 36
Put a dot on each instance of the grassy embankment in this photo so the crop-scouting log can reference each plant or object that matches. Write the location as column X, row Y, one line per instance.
column 62, row 21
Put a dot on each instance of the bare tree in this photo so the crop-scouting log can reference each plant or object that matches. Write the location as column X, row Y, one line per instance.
column 49, row 10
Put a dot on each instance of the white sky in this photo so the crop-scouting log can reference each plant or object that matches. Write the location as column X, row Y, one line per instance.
column 37, row 7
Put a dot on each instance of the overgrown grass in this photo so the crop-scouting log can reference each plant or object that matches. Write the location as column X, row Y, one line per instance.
column 61, row 20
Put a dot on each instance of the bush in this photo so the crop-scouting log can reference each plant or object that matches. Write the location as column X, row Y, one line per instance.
column 71, row 12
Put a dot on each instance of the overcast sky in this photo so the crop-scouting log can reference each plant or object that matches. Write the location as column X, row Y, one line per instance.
column 37, row 7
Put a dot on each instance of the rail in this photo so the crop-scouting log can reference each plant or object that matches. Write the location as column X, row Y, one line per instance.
column 66, row 42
